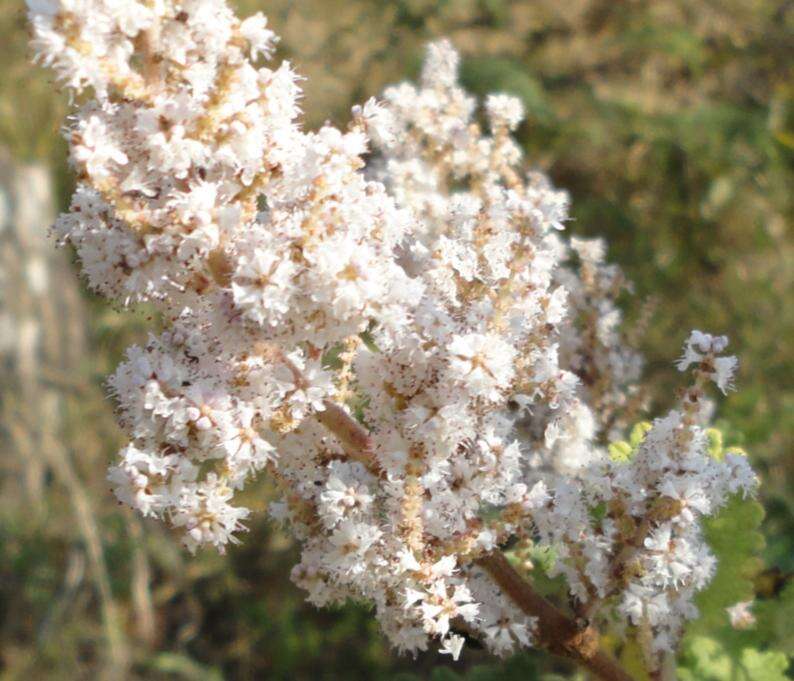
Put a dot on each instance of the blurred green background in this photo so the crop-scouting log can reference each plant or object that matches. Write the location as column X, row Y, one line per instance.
column 671, row 122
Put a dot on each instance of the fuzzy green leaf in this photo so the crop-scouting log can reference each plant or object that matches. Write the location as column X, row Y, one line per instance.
column 735, row 538
column 709, row 660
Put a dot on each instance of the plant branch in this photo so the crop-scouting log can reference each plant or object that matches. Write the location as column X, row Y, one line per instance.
column 556, row 631
column 352, row 435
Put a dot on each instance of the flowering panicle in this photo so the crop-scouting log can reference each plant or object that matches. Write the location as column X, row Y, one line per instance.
column 644, row 555
column 431, row 289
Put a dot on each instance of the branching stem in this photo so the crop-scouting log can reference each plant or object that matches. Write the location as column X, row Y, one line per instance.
column 556, row 631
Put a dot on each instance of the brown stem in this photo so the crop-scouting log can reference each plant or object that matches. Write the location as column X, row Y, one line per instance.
column 556, row 631
column 151, row 62
column 353, row 436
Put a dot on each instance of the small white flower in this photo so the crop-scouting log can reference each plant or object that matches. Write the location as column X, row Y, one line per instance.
column 204, row 511
column 351, row 541
column 96, row 150
column 740, row 615
column 262, row 286
column 246, row 450
column 452, row 645
column 441, row 65
column 378, row 121
column 439, row 607
column 482, row 363
column 262, row 40
column 724, row 369
column 504, row 111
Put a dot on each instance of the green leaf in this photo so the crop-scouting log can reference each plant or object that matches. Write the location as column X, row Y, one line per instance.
column 638, row 433
column 775, row 620
column 735, row 538
column 712, row 649
column 764, row 666
column 714, row 442
column 709, row 660
column 597, row 513
column 620, row 451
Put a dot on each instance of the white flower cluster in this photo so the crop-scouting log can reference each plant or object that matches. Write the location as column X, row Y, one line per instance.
column 629, row 532
column 405, row 347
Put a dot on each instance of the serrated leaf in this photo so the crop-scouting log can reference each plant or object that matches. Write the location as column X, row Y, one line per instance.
column 712, row 649
column 775, row 620
column 736, row 541
column 710, row 660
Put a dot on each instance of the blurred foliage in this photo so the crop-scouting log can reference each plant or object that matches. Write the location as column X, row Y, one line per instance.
column 671, row 123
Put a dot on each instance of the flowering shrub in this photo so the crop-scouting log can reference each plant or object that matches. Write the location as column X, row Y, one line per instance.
column 389, row 322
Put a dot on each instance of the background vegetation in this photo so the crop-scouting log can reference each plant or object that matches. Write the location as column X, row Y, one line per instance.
column 671, row 123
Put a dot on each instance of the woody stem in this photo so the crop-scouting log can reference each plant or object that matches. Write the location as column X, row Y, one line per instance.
column 556, row 631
